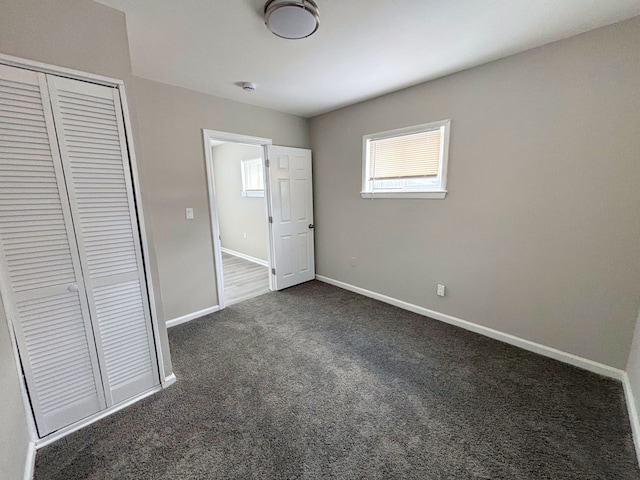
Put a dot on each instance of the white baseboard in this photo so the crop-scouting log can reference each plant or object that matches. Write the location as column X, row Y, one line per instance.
column 63, row 432
column 264, row 263
column 550, row 352
column 191, row 316
column 168, row 381
column 30, row 463
column 633, row 413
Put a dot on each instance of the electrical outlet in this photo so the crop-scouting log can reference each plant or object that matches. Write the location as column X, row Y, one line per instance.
column 189, row 213
column 244, row 234
column 440, row 290
column 353, row 261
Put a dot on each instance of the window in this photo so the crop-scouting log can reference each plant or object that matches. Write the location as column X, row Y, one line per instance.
column 406, row 163
column 252, row 178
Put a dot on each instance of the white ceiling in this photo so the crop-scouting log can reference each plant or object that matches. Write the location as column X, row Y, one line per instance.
column 363, row 48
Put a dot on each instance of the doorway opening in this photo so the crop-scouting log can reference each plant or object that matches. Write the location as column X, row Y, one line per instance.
column 238, row 192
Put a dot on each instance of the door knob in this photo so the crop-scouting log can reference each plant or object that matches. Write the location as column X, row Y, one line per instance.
column 311, row 225
column 73, row 287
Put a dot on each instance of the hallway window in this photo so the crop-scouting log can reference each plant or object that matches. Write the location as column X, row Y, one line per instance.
column 252, row 178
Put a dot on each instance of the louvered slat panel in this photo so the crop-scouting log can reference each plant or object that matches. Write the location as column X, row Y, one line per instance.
column 73, row 97
column 74, row 111
column 30, row 279
column 39, row 228
column 105, row 167
column 20, row 109
column 79, row 383
column 94, row 156
column 50, row 329
column 125, row 308
column 122, row 319
column 91, row 140
column 105, row 196
column 95, row 233
column 52, row 303
column 25, row 248
column 113, row 327
column 97, row 245
column 45, row 347
column 115, row 230
column 38, row 252
column 87, row 99
column 12, row 136
column 81, row 112
column 16, row 85
column 105, row 155
column 14, row 88
column 82, row 127
column 105, row 213
column 89, row 133
column 104, row 267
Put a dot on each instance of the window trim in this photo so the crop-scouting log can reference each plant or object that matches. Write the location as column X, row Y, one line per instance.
column 429, row 193
column 243, row 169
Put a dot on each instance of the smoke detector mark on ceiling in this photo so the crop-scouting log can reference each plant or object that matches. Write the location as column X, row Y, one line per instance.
column 247, row 86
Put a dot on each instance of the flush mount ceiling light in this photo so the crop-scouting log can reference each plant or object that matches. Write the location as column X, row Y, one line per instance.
column 292, row 19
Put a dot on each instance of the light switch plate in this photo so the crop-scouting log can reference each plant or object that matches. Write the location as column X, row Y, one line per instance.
column 189, row 213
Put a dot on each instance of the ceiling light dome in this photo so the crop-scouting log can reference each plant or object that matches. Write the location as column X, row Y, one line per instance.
column 292, row 19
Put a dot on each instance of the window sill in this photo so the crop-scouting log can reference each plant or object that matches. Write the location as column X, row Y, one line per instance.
column 427, row 195
column 253, row 193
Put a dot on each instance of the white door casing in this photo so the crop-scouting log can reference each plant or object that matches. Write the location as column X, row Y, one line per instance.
column 41, row 277
column 291, row 207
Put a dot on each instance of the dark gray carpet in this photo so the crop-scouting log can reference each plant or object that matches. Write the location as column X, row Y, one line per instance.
column 317, row 382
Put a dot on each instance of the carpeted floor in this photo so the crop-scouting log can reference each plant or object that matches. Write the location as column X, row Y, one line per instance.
column 317, row 382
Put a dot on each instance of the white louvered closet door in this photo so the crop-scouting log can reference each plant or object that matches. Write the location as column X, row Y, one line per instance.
column 94, row 153
column 40, row 274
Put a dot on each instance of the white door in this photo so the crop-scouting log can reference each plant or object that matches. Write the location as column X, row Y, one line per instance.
column 40, row 275
column 71, row 273
column 291, row 208
column 93, row 148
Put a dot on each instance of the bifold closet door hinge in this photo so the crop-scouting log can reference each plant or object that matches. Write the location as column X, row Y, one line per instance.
column 273, row 271
column 266, row 163
column 270, row 219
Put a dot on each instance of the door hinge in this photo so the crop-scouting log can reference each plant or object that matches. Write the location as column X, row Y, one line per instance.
column 273, row 271
column 270, row 219
column 266, row 163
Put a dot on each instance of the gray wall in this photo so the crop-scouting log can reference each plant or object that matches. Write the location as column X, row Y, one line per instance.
column 238, row 215
column 171, row 122
column 538, row 236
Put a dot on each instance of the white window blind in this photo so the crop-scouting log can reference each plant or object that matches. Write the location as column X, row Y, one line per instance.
column 406, row 156
column 408, row 162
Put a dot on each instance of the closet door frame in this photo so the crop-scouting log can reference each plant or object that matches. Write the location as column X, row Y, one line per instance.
column 165, row 380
